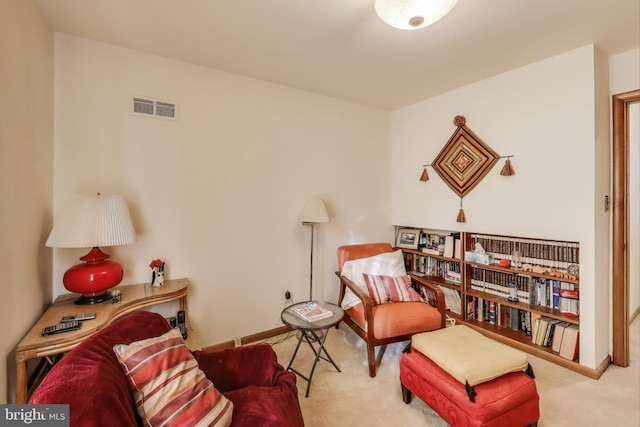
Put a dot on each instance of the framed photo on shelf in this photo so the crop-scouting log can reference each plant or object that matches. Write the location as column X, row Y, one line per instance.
column 408, row 238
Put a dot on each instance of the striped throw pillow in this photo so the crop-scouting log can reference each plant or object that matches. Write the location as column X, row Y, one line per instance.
column 168, row 386
column 384, row 289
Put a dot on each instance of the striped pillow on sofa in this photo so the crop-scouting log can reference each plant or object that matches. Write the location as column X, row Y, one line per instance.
column 168, row 385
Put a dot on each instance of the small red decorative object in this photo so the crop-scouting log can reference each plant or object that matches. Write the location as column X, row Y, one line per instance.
column 505, row 263
column 156, row 263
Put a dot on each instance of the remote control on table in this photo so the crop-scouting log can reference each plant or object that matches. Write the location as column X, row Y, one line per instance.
column 79, row 317
column 71, row 325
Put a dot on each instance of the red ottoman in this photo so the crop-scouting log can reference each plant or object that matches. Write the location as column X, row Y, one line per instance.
column 510, row 400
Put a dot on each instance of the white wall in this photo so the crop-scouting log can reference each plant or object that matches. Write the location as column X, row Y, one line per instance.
column 218, row 194
column 624, row 71
column 625, row 76
column 545, row 114
column 26, row 168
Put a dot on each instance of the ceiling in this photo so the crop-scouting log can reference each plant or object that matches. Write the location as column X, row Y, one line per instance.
column 340, row 48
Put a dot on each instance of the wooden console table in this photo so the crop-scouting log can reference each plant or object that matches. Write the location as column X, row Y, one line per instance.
column 134, row 297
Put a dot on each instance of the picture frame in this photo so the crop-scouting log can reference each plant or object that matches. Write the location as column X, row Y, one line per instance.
column 408, row 238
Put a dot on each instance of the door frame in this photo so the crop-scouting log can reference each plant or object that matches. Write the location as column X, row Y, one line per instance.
column 620, row 227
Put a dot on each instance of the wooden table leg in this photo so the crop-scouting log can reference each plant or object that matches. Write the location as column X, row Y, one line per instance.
column 21, row 382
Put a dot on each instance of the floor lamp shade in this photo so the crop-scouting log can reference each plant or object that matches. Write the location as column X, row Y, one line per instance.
column 314, row 211
column 91, row 221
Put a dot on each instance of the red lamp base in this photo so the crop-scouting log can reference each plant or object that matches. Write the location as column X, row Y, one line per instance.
column 93, row 278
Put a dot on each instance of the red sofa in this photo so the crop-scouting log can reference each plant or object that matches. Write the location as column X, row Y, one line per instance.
column 90, row 379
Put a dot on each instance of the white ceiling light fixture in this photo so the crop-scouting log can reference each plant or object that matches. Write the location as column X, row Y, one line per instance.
column 413, row 14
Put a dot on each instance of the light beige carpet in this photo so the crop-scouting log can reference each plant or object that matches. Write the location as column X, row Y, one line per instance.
column 352, row 398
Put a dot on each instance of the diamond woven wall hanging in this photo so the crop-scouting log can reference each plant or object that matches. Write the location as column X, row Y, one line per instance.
column 464, row 161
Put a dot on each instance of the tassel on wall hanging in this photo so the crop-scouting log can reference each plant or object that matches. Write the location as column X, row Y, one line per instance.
column 464, row 161
column 425, row 176
column 507, row 169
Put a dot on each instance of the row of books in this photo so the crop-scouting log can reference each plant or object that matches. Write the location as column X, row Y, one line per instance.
column 485, row 310
column 556, row 294
column 448, row 270
column 497, row 283
column 561, row 336
column 547, row 253
column 550, row 293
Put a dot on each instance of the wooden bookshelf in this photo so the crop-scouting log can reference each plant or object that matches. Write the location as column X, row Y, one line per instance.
column 551, row 260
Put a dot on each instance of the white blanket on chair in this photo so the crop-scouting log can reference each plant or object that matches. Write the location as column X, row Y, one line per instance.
column 385, row 264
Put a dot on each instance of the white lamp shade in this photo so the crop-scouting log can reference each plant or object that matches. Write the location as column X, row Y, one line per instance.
column 93, row 220
column 412, row 14
column 314, row 211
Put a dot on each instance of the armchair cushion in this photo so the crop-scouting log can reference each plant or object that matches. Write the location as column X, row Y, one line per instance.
column 384, row 289
column 262, row 391
column 240, row 367
column 384, row 264
column 392, row 320
column 168, row 386
column 478, row 360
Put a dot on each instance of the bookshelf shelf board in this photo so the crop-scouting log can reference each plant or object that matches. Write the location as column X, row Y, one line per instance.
column 455, row 316
column 440, row 257
column 440, row 281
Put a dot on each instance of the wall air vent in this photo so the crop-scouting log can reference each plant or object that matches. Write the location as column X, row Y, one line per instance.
column 143, row 106
column 156, row 108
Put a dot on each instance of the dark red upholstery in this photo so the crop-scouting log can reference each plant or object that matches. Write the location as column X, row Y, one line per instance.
column 90, row 379
column 508, row 401
column 262, row 392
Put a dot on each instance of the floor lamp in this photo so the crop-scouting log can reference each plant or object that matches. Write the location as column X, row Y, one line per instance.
column 314, row 212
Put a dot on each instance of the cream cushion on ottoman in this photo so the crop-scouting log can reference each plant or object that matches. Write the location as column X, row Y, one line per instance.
column 467, row 355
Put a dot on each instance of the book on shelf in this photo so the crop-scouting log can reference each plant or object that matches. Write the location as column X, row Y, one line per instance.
column 543, row 324
column 533, row 325
column 492, row 312
column 569, row 302
column 525, row 322
column 555, row 286
column 551, row 330
column 570, row 342
column 457, row 248
column 311, row 311
column 558, row 333
column 566, row 293
column 448, row 246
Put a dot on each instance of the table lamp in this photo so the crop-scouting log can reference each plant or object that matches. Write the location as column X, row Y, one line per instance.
column 89, row 222
column 313, row 212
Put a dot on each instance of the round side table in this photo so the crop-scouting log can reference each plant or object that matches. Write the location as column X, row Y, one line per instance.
column 312, row 332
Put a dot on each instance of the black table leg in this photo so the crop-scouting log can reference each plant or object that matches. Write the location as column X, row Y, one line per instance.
column 310, row 337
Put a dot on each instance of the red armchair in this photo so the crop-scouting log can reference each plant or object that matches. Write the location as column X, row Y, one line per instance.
column 91, row 380
column 386, row 323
